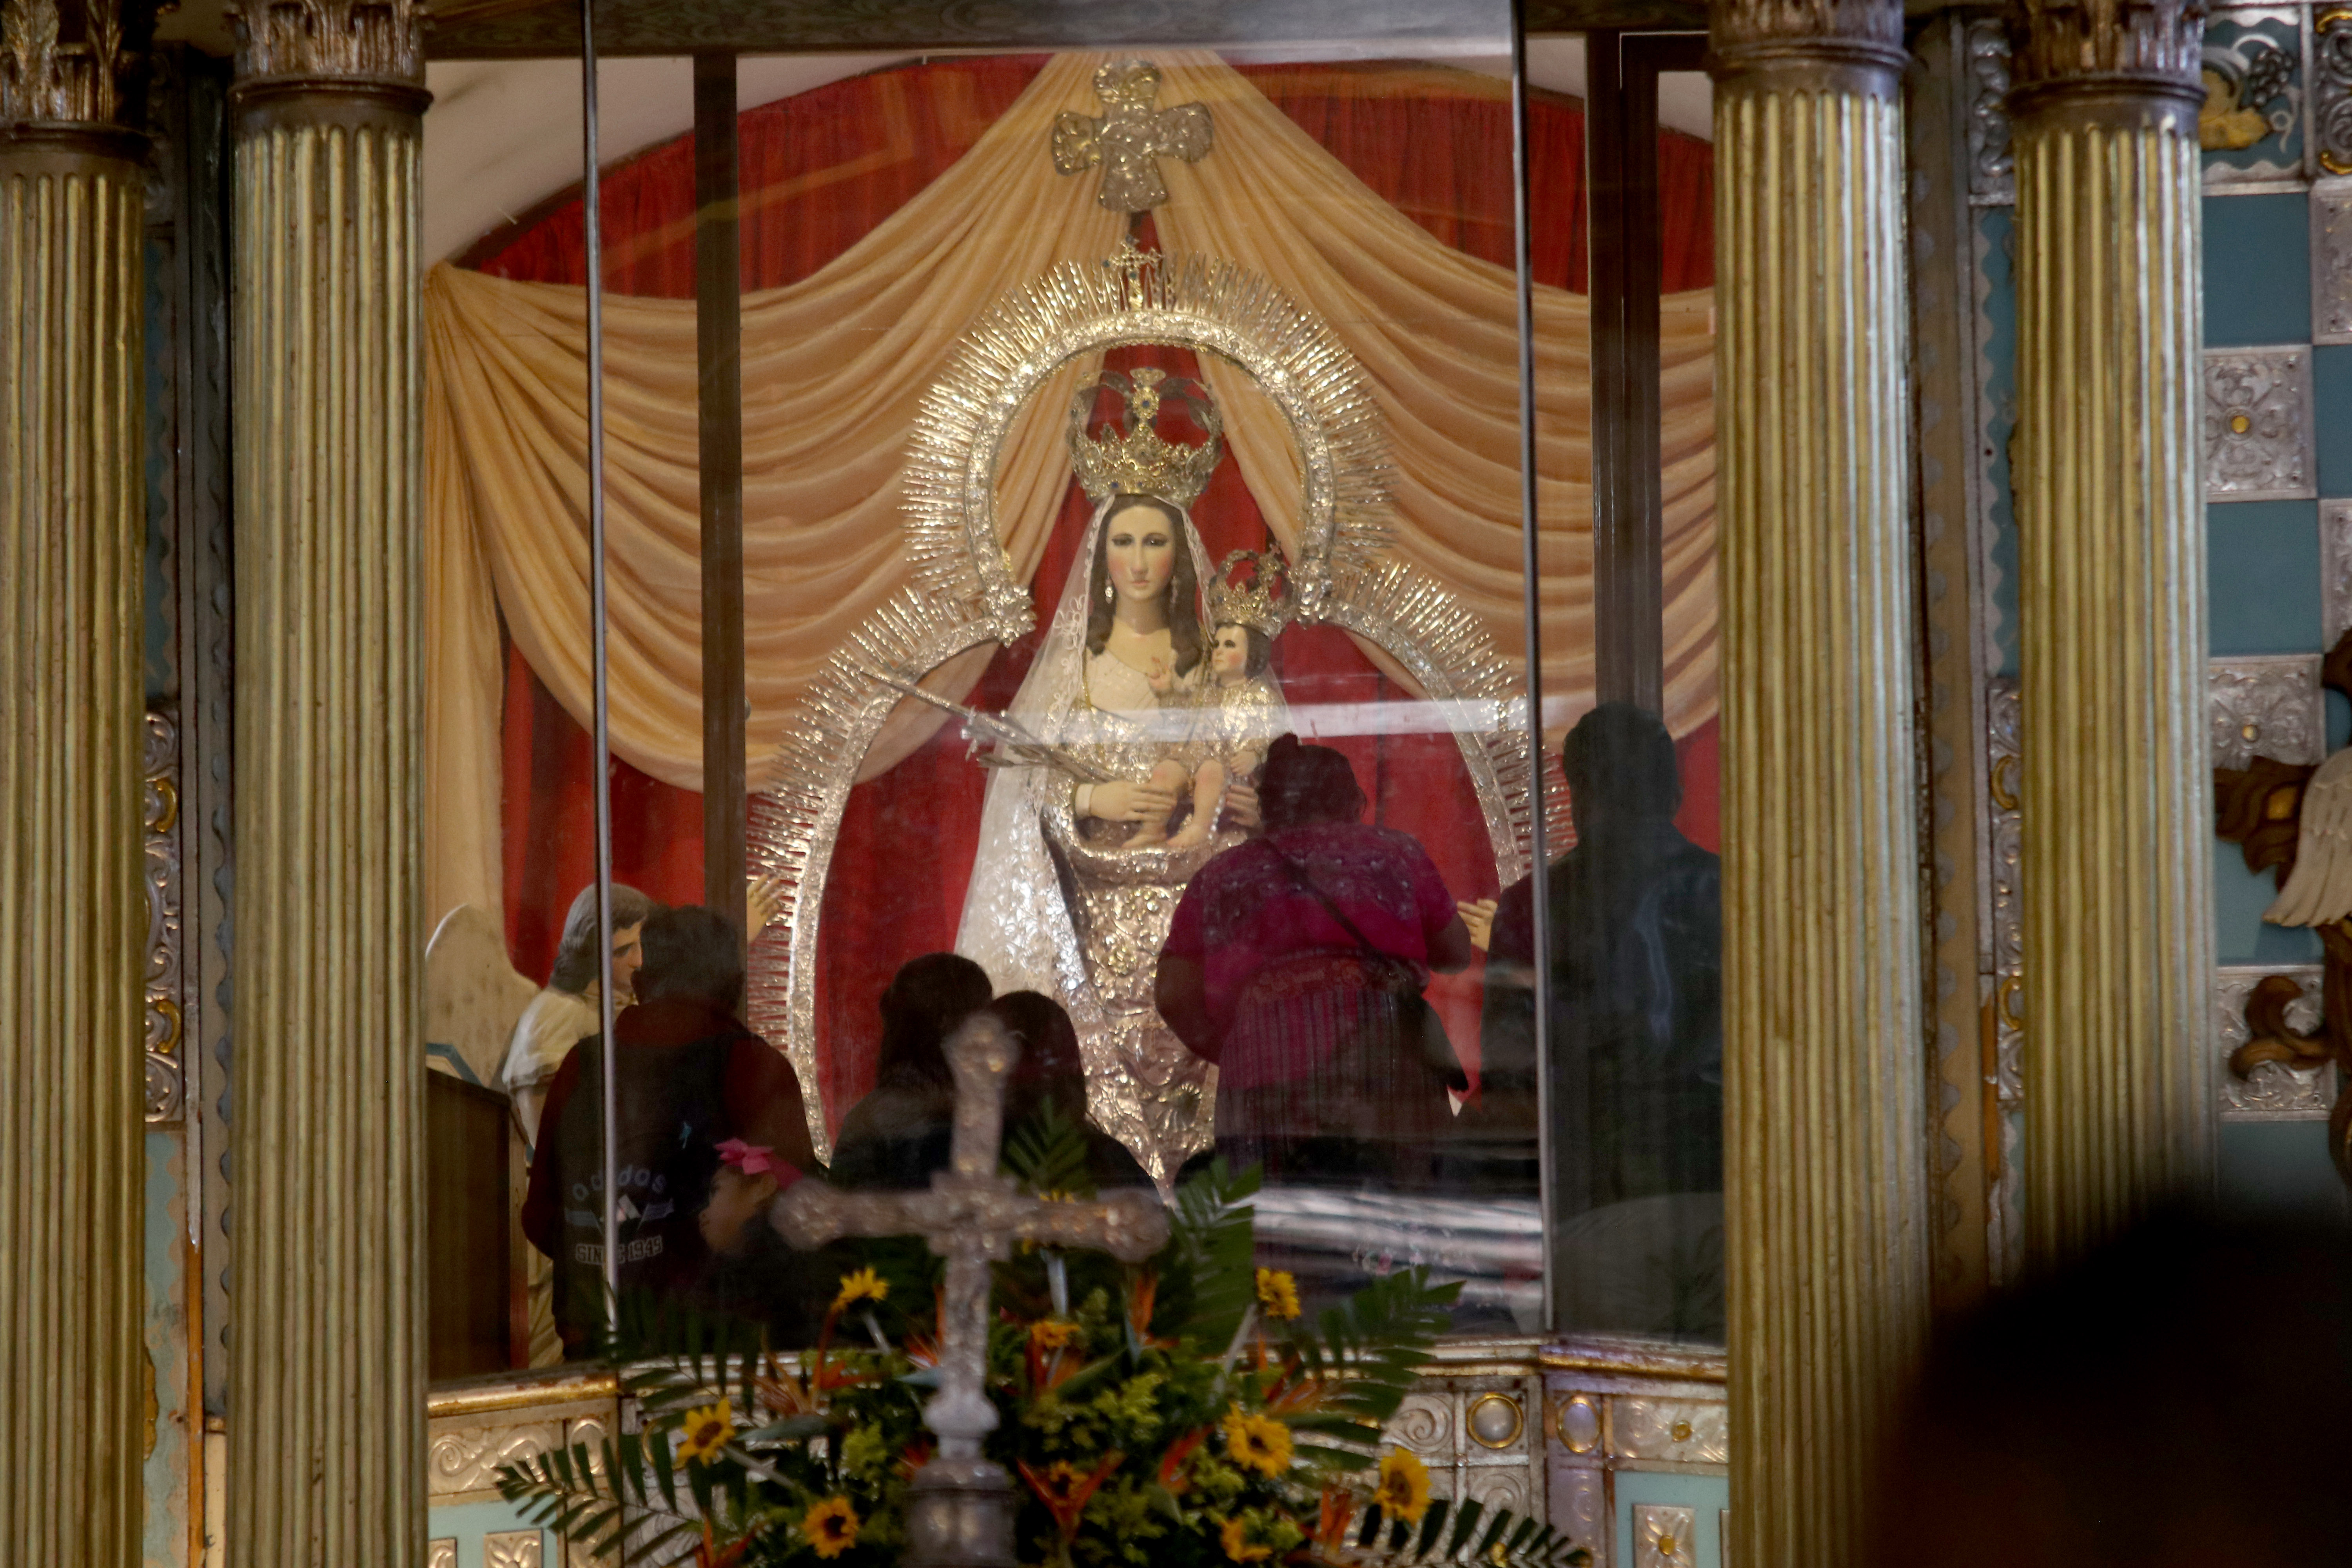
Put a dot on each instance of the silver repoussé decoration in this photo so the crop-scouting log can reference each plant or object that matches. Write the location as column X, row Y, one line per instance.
column 166, row 1089
column 966, row 594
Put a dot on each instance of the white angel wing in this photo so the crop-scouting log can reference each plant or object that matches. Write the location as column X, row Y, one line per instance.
column 2320, row 890
column 473, row 994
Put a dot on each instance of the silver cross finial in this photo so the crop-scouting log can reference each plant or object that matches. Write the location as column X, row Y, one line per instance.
column 1130, row 136
column 970, row 1217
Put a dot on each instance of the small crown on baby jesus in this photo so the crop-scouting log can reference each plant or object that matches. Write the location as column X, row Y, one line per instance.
column 1140, row 461
column 1263, row 603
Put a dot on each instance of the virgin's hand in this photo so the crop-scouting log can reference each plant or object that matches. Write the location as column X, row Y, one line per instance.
column 1478, row 917
column 1242, row 808
column 1122, row 800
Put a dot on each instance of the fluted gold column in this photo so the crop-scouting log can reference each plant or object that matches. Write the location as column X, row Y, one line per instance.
column 1823, row 1036
column 72, row 913
column 2115, row 795
column 326, row 1399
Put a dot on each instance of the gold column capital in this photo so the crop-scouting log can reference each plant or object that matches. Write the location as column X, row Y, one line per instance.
column 1797, row 46
column 70, row 78
column 312, row 60
column 2107, row 60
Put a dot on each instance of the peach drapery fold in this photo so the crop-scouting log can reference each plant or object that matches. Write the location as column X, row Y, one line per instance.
column 834, row 368
column 1437, row 332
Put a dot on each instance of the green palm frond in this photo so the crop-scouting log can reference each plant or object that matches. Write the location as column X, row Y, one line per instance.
column 1366, row 1352
column 1049, row 1152
column 1206, row 1278
column 672, row 1356
column 596, row 1497
column 1499, row 1539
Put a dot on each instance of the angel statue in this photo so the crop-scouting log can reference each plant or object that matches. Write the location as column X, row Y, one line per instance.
column 1076, row 877
column 2298, row 817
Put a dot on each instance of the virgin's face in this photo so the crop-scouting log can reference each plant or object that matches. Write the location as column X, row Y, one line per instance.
column 1140, row 551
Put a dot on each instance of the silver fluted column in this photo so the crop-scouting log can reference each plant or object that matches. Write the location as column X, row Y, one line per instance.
column 72, row 910
column 1823, row 1034
column 326, row 1401
column 2116, row 796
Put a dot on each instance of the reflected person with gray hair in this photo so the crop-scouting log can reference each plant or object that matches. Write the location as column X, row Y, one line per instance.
column 566, row 1013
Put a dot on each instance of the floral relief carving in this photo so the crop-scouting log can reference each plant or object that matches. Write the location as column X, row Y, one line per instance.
column 2273, row 1091
column 2331, row 113
column 2331, row 261
column 1661, row 1536
column 2334, row 571
column 2258, row 424
column 511, row 1549
column 2004, row 727
column 468, row 1458
column 2267, row 706
column 164, row 1090
column 1685, row 1431
column 1992, row 168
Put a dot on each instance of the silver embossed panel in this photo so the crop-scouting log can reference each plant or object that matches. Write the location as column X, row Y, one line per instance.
column 1679, row 1431
column 1661, row 1536
column 2334, row 569
column 2274, row 1092
column 2331, row 261
column 511, row 1549
column 2258, row 424
column 2266, row 705
column 441, row 1552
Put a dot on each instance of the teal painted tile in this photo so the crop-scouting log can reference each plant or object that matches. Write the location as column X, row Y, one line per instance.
column 2261, row 564
column 2280, row 1165
column 1706, row 1496
column 2240, row 934
column 2331, row 417
column 2258, row 269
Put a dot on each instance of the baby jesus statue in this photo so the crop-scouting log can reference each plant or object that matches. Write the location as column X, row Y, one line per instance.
column 1232, row 710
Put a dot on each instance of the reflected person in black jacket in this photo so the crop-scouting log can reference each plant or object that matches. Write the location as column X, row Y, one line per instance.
column 1636, row 1045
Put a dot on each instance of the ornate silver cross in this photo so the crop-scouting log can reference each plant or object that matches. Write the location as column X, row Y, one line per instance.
column 961, row 1510
column 1130, row 137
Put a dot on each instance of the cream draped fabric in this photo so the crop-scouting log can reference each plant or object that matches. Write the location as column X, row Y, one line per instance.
column 834, row 369
column 1437, row 332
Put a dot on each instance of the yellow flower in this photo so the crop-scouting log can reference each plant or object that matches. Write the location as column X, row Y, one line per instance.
column 1051, row 1333
column 705, row 1432
column 863, row 1285
column 1237, row 1544
column 831, row 1527
column 1278, row 1292
column 1403, row 1491
column 1256, row 1441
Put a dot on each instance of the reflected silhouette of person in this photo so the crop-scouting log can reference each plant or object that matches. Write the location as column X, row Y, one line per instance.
column 902, row 1132
column 1636, row 1040
column 692, row 1087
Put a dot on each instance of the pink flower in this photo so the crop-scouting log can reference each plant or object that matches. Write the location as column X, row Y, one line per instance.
column 752, row 1158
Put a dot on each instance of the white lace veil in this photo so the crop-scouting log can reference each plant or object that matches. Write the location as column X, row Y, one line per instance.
column 1016, row 923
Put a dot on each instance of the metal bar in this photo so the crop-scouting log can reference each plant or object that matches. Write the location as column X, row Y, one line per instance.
column 1622, row 182
column 719, row 355
column 1531, row 557
column 592, row 196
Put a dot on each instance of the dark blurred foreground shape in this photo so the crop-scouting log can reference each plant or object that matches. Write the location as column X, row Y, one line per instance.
column 2181, row 1397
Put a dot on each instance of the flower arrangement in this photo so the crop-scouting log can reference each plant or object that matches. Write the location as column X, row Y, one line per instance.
column 1185, row 1412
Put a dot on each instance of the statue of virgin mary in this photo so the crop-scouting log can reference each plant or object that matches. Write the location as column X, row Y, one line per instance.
column 1058, row 901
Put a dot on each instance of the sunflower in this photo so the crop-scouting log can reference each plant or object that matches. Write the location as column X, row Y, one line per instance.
column 1255, row 1442
column 831, row 1527
column 1234, row 1536
column 863, row 1285
column 1403, row 1491
column 1278, row 1292
column 1051, row 1333
column 705, row 1432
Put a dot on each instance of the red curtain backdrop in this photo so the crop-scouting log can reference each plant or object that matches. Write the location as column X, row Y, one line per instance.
column 819, row 171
